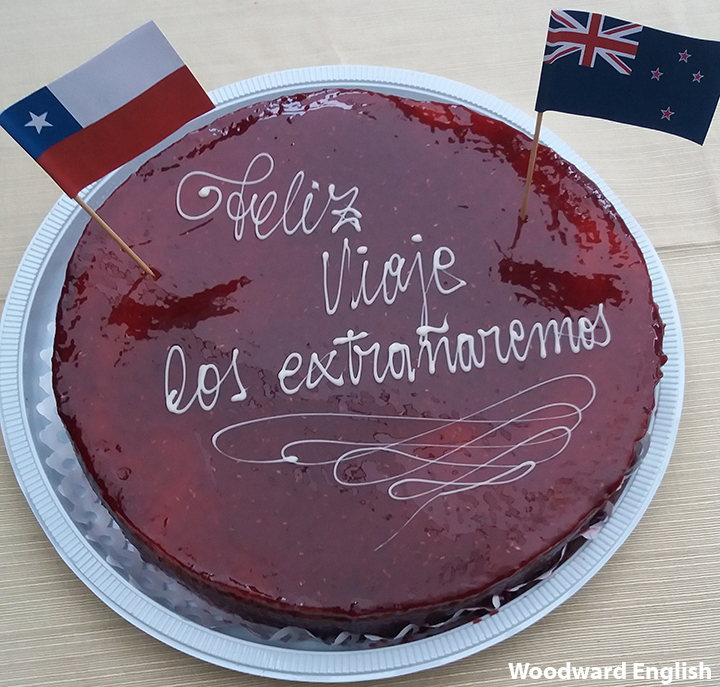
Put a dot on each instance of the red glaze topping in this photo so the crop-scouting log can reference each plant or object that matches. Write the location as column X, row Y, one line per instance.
column 359, row 393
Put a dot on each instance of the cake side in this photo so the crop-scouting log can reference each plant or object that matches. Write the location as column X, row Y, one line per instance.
column 355, row 360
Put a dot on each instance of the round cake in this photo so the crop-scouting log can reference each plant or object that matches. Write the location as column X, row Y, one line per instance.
column 361, row 394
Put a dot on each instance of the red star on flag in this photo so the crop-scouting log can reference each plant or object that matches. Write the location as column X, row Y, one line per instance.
column 684, row 56
column 697, row 77
column 656, row 74
column 667, row 113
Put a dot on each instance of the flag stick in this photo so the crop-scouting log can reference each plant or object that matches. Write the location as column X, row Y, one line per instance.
column 531, row 166
column 114, row 236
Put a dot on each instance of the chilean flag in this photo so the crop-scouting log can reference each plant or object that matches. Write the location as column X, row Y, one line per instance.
column 107, row 111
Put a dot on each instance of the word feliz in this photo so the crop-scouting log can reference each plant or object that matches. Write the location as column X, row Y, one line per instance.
column 465, row 353
column 245, row 206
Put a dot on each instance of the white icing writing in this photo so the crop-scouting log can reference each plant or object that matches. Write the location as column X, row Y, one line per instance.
column 462, row 353
column 397, row 277
column 251, row 204
column 206, row 393
column 468, row 351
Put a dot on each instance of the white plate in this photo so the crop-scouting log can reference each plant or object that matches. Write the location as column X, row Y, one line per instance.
column 27, row 329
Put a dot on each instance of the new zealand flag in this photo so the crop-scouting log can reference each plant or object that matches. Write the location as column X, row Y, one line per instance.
column 604, row 67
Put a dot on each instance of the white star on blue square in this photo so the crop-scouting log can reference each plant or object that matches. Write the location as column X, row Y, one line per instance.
column 38, row 122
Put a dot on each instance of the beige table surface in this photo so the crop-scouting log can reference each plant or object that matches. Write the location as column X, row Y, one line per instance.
column 658, row 599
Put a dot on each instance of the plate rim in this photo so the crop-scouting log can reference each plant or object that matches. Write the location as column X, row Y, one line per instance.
column 300, row 664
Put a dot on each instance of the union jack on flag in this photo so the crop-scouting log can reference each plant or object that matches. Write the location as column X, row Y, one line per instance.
column 644, row 77
column 594, row 37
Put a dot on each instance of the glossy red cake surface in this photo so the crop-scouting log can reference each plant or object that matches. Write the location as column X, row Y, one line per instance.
column 359, row 394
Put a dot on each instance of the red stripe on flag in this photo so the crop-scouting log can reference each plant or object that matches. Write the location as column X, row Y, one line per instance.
column 91, row 153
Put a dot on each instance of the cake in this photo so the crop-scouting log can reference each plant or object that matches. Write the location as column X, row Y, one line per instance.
column 360, row 393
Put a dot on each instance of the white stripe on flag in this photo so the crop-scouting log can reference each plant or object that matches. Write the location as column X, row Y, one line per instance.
column 117, row 75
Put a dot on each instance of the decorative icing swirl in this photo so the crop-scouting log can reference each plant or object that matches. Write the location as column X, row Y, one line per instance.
column 498, row 444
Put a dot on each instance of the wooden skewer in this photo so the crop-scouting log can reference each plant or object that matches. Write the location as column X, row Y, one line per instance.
column 114, row 236
column 531, row 166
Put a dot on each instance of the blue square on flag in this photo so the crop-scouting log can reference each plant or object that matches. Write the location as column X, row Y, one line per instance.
column 38, row 122
column 605, row 67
